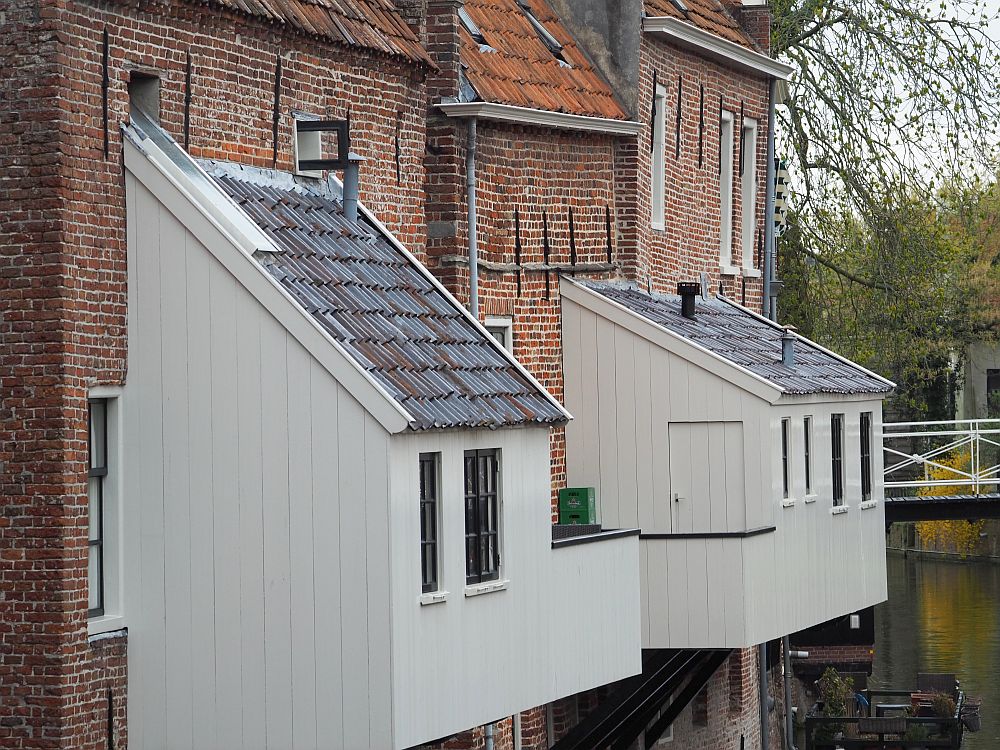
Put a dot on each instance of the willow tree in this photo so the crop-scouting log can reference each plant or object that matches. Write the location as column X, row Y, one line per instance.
column 891, row 100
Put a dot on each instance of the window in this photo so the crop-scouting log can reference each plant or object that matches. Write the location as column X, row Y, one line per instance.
column 502, row 329
column 316, row 148
column 470, row 26
column 726, row 191
column 657, row 168
column 430, row 468
column 553, row 44
column 837, row 457
column 97, row 475
column 866, row 456
column 748, row 193
column 482, row 510
column 785, row 478
column 807, row 436
column 144, row 94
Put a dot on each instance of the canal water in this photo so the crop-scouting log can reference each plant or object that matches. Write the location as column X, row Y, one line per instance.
column 943, row 616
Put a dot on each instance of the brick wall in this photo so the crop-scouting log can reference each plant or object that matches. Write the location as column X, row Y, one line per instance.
column 62, row 281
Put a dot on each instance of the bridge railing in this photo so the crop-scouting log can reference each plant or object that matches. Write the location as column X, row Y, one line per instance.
column 943, row 454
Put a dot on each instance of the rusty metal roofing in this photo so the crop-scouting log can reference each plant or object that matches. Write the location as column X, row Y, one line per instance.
column 749, row 341
column 369, row 24
column 516, row 66
column 383, row 308
column 707, row 15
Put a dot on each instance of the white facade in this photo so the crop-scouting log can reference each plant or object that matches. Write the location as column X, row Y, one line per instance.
column 687, row 447
column 271, row 536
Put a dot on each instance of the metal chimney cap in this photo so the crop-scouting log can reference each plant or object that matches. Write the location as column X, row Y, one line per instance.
column 685, row 288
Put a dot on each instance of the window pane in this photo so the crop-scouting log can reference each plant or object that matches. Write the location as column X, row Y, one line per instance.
column 94, row 577
column 784, row 457
column 94, row 506
column 807, row 447
column 98, row 434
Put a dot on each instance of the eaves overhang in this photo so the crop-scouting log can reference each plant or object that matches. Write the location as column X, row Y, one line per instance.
column 682, row 33
column 540, row 118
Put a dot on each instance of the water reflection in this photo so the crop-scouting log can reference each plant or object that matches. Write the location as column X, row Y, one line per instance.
column 942, row 616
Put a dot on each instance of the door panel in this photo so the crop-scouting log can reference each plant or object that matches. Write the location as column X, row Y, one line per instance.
column 707, row 477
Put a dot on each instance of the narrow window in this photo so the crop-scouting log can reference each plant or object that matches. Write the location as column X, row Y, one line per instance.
column 470, row 26
column 482, row 510
column 657, row 168
column 837, row 457
column 785, row 479
column 726, row 192
column 429, row 534
column 502, row 329
column 866, row 456
column 807, row 428
column 553, row 44
column 97, row 474
column 748, row 191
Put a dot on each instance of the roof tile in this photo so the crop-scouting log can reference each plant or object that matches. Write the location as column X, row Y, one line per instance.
column 707, row 15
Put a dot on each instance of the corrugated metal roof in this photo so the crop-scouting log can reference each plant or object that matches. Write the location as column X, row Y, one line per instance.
column 382, row 308
column 519, row 69
column 707, row 15
column 371, row 24
column 749, row 341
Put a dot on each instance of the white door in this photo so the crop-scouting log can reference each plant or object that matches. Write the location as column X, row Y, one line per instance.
column 707, row 483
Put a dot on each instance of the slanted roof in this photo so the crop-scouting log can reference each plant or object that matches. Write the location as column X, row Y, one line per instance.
column 748, row 341
column 383, row 308
column 707, row 15
column 517, row 68
column 370, row 24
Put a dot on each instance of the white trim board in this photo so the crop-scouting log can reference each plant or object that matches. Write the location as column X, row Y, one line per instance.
column 680, row 32
column 672, row 342
column 147, row 163
column 540, row 117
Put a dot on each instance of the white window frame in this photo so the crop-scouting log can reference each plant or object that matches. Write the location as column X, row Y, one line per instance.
column 748, row 191
column 786, row 458
column 658, row 161
column 726, row 158
column 112, row 617
column 504, row 326
column 808, row 451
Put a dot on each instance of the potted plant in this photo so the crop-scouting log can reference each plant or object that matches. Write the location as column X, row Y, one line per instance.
column 834, row 692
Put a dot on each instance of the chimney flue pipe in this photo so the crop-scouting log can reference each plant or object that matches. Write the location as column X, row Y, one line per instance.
column 352, row 174
column 688, row 290
column 788, row 347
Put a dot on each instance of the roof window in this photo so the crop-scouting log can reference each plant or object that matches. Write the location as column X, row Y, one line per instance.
column 550, row 41
column 470, row 26
column 680, row 5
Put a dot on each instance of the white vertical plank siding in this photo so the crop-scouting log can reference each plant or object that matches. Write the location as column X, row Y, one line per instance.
column 607, row 425
column 250, row 585
column 626, row 429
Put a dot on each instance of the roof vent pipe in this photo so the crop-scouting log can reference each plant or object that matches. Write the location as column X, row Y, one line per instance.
column 688, row 290
column 352, row 174
column 788, row 347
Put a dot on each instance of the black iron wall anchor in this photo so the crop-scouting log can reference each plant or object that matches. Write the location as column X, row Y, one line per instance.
column 572, row 240
column 701, row 126
column 652, row 118
column 399, row 151
column 517, row 248
column 105, row 85
column 545, row 252
column 607, row 231
column 680, row 102
column 187, row 101
column 276, row 114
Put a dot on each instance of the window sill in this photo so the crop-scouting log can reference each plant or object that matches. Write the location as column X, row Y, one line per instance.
column 434, row 597
column 809, row 499
column 486, row 588
column 837, row 510
column 867, row 504
column 751, row 273
column 657, row 226
column 788, row 502
column 104, row 624
column 728, row 270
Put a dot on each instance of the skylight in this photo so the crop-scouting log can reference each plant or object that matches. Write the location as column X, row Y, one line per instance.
column 550, row 41
column 470, row 26
column 680, row 5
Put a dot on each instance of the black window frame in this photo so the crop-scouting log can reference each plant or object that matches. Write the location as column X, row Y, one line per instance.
column 807, row 451
column 482, row 515
column 98, row 471
column 786, row 475
column 430, row 522
column 866, row 456
column 837, row 457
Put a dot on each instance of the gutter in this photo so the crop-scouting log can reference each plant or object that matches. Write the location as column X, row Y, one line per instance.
column 540, row 118
column 676, row 31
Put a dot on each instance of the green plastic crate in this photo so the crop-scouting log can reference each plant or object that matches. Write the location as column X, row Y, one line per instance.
column 577, row 505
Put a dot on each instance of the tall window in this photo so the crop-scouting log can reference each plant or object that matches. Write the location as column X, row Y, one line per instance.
column 837, row 456
column 96, row 477
column 785, row 478
column 726, row 190
column 659, row 177
column 807, row 436
column 748, row 188
column 866, row 456
column 429, row 470
column 482, row 510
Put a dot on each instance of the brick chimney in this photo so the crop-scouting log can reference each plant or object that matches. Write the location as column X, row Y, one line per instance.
column 414, row 12
column 443, row 45
column 755, row 18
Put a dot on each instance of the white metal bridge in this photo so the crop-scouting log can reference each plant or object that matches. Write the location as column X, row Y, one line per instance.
column 943, row 469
